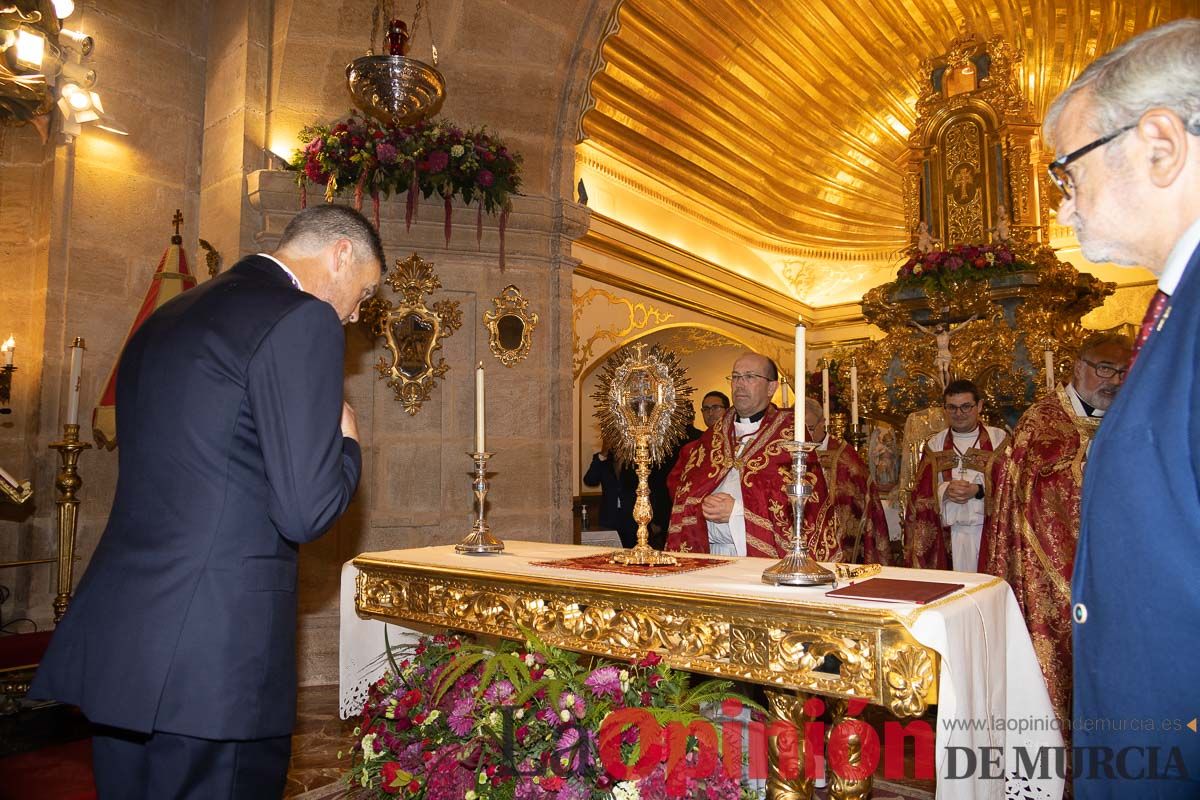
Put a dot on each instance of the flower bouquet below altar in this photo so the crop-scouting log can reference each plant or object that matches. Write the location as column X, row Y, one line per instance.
column 454, row 720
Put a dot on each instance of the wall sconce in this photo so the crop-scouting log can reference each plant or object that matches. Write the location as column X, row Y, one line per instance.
column 8, row 349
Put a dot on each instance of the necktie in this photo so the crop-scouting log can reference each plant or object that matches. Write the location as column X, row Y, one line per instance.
column 1153, row 314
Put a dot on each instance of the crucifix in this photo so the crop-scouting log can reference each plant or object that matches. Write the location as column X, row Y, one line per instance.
column 177, row 220
column 963, row 181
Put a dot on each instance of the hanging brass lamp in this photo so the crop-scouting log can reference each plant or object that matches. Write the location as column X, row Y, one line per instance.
column 394, row 88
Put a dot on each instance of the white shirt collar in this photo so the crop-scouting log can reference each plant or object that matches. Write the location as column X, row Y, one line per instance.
column 284, row 267
column 1077, row 403
column 1177, row 261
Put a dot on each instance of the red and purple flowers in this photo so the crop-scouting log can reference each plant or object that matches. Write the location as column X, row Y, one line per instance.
column 962, row 262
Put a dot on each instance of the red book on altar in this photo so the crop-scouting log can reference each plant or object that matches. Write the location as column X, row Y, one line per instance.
column 892, row 590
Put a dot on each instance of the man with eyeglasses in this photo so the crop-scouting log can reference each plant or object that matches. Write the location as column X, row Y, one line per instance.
column 860, row 531
column 1030, row 536
column 944, row 518
column 731, row 497
column 1127, row 133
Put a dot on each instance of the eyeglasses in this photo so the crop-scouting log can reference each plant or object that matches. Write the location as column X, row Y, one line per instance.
column 717, row 407
column 1058, row 168
column 965, row 408
column 746, row 377
column 1105, row 371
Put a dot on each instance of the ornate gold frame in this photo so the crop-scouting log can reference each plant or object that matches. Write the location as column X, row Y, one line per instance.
column 510, row 303
column 413, row 278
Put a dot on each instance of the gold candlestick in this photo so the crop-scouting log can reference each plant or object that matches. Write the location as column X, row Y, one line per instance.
column 797, row 568
column 6, row 387
column 480, row 540
column 68, row 483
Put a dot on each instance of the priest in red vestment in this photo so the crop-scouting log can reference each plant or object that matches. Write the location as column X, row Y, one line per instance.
column 944, row 519
column 1031, row 534
column 857, row 513
column 730, row 498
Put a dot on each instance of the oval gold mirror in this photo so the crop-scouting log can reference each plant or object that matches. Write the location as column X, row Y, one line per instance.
column 510, row 326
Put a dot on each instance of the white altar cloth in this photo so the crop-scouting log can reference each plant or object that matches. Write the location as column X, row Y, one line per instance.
column 991, row 693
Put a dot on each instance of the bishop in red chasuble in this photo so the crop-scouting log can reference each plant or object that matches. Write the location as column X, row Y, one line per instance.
column 857, row 513
column 730, row 493
column 952, row 492
column 1031, row 534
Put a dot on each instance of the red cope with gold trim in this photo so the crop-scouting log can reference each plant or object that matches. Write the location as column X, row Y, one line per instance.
column 926, row 539
column 1029, row 539
column 857, row 513
column 765, row 469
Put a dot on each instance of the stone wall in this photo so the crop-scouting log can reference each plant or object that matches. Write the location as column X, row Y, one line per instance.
column 82, row 227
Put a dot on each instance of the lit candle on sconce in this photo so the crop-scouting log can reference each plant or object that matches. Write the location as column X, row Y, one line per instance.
column 825, row 390
column 853, row 396
column 77, row 349
column 479, row 415
column 8, row 348
column 1049, row 356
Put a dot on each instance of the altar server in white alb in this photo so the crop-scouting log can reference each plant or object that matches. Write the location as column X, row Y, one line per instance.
column 948, row 506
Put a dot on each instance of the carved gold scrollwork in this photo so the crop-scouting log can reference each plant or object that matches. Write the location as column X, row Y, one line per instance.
column 787, row 779
column 773, row 650
column 908, row 672
column 412, row 332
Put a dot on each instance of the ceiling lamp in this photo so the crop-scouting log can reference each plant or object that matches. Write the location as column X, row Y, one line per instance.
column 395, row 89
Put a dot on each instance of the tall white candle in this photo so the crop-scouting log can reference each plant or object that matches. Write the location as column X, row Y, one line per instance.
column 9, row 347
column 825, row 390
column 853, row 396
column 479, row 437
column 799, row 364
column 73, row 382
column 1049, row 354
column 785, row 403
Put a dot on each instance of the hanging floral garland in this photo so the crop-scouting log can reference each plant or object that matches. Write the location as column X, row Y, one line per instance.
column 428, row 158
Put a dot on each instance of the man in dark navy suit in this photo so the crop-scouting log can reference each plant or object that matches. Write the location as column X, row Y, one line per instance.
column 1127, row 133
column 236, row 447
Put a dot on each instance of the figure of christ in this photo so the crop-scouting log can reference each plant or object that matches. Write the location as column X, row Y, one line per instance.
column 941, row 333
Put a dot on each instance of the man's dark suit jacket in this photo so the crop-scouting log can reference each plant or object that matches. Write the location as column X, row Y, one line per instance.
column 618, row 493
column 1137, row 567
column 229, row 403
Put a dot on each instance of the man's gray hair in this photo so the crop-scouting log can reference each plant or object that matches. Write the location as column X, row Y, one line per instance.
column 1098, row 340
column 321, row 225
column 812, row 405
column 1158, row 68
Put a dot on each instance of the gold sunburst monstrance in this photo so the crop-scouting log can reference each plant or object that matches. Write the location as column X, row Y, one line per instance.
column 643, row 406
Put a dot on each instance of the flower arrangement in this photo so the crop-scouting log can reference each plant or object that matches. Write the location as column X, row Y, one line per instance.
column 430, row 157
column 937, row 269
column 454, row 720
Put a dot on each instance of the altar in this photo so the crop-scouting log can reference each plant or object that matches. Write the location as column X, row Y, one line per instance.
column 968, row 652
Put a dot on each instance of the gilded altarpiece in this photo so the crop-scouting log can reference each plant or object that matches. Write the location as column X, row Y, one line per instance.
column 974, row 149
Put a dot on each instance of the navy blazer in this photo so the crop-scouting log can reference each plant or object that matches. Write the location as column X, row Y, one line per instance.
column 229, row 402
column 1136, row 585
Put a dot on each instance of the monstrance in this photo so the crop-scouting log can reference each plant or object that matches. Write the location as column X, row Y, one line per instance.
column 643, row 406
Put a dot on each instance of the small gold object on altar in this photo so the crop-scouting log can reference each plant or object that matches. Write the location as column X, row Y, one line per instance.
column 643, row 408
column 852, row 572
column 797, row 568
column 480, row 540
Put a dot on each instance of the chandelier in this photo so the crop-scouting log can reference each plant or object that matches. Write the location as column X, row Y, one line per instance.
column 393, row 88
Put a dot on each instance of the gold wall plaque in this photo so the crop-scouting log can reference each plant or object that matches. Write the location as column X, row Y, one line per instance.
column 412, row 332
column 510, row 326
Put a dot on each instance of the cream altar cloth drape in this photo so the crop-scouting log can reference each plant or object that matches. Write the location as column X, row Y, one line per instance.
column 991, row 692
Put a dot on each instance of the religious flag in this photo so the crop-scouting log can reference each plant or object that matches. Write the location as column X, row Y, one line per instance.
column 170, row 279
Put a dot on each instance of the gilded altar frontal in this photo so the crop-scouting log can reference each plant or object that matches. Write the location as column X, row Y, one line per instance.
column 587, row 213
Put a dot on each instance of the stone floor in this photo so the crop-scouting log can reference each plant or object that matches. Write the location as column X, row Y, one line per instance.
column 319, row 735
